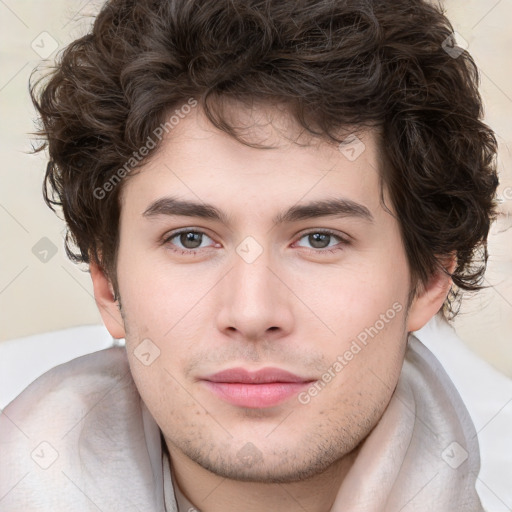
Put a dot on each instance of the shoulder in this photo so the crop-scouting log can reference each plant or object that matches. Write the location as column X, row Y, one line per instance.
column 69, row 387
column 75, row 417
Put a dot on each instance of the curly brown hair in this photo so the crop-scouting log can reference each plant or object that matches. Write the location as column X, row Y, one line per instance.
column 333, row 63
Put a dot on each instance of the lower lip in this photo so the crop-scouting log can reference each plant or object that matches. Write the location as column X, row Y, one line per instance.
column 256, row 395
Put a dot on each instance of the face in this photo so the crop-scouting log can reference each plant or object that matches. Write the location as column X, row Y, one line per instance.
column 264, row 296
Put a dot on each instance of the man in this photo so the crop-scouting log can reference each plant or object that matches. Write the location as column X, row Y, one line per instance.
column 271, row 197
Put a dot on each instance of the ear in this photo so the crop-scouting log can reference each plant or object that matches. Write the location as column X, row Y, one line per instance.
column 430, row 297
column 104, row 296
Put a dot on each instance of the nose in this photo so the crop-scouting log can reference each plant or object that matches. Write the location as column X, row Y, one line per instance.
column 256, row 302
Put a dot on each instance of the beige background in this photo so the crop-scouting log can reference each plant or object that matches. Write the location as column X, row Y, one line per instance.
column 37, row 296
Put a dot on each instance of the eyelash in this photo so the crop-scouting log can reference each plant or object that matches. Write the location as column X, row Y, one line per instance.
column 342, row 241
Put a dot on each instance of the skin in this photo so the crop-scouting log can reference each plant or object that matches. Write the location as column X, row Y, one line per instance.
column 296, row 307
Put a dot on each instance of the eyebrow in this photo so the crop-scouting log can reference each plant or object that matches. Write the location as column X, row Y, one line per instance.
column 337, row 207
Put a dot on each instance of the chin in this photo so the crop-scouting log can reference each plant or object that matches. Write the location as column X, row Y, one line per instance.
column 249, row 464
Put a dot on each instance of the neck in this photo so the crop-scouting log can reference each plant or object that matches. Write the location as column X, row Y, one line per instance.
column 209, row 492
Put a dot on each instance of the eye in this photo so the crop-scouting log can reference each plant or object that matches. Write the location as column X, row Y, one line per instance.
column 187, row 240
column 324, row 241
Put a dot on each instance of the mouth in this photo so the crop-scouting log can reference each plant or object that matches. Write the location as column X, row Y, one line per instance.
column 267, row 387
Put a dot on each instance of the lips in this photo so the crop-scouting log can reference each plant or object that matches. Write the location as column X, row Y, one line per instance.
column 267, row 387
column 263, row 376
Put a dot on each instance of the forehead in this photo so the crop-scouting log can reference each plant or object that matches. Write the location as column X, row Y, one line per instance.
column 195, row 160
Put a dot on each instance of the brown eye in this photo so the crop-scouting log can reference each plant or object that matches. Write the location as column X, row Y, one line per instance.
column 319, row 240
column 187, row 240
column 191, row 239
column 323, row 241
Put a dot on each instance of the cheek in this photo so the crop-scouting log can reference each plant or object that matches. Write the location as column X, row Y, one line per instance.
column 158, row 299
column 354, row 299
column 162, row 392
column 367, row 313
column 362, row 373
column 163, row 322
